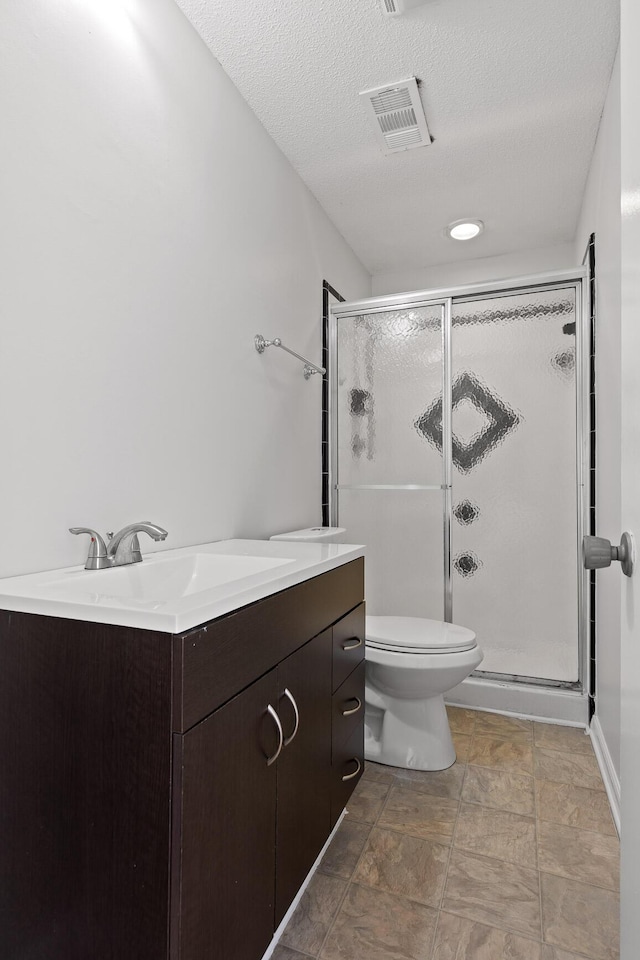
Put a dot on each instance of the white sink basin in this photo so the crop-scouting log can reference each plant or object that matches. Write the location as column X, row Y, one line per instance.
column 175, row 590
column 158, row 580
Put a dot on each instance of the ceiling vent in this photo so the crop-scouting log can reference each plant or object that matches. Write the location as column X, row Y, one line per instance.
column 394, row 8
column 397, row 114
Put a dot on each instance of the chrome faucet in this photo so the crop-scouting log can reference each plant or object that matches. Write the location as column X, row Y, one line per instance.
column 123, row 547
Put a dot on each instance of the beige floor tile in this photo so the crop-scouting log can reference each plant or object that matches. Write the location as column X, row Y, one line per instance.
column 404, row 865
column 314, row 914
column 462, row 743
column 503, row 728
column 347, row 845
column 574, row 806
column 499, row 894
column 497, row 833
column 437, row 783
column 499, row 789
column 567, row 739
column 460, row 939
column 286, row 953
column 579, row 854
column 461, row 720
column 580, row 918
column 374, row 925
column 576, row 768
column 378, row 772
column 367, row 801
column 554, row 953
column 502, row 755
column 419, row 814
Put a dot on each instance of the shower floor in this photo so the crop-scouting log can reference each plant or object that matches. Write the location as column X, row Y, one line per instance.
column 511, row 854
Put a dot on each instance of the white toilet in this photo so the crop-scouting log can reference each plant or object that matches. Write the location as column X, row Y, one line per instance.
column 411, row 662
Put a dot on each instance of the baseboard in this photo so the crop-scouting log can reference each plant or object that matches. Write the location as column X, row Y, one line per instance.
column 522, row 700
column 607, row 769
column 299, row 895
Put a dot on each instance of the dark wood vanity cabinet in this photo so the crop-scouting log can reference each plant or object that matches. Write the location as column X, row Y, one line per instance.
column 140, row 818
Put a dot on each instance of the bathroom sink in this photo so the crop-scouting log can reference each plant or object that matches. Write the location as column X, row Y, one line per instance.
column 158, row 580
column 174, row 590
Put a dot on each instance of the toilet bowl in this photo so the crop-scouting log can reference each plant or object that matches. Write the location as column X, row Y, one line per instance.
column 410, row 663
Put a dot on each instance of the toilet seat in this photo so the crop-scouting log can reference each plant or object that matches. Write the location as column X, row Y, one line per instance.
column 417, row 635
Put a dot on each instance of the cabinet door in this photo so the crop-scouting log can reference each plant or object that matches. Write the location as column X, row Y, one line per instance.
column 304, row 766
column 224, row 831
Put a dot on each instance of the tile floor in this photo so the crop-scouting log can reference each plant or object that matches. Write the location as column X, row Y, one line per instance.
column 511, row 854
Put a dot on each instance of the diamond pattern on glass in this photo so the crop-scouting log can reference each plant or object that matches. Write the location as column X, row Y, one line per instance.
column 466, row 512
column 564, row 363
column 484, row 423
column 467, row 563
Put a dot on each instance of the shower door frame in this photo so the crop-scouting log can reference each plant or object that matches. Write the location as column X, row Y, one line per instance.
column 445, row 297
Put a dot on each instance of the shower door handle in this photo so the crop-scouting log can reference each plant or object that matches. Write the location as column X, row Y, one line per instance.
column 598, row 552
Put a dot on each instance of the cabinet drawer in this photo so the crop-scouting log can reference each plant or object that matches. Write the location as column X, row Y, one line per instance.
column 348, row 706
column 346, row 771
column 348, row 645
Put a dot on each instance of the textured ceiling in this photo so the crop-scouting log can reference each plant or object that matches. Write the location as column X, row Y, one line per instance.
column 512, row 89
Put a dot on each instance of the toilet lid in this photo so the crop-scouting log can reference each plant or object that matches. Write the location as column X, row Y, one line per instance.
column 417, row 635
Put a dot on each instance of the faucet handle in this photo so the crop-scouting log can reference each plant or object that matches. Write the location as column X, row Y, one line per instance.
column 97, row 557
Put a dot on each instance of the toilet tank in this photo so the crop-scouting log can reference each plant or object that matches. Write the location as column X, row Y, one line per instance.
column 315, row 535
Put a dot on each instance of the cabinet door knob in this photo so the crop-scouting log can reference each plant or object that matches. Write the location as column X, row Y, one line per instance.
column 352, row 643
column 276, row 720
column 350, row 776
column 358, row 704
column 296, row 714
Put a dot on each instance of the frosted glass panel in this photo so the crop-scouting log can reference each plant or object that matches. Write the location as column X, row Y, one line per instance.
column 403, row 533
column 514, row 481
column 389, row 369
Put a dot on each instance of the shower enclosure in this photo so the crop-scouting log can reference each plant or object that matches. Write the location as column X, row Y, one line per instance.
column 456, row 455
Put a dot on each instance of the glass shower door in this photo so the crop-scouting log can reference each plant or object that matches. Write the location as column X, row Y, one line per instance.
column 389, row 483
column 514, row 524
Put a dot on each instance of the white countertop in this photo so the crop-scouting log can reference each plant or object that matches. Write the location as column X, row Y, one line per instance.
column 175, row 590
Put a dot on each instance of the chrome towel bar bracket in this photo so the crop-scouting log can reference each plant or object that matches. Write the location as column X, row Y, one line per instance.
column 309, row 368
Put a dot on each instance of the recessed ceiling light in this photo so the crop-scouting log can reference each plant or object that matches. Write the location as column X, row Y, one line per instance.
column 465, row 229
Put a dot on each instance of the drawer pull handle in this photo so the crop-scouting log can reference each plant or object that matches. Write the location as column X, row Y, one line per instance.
column 352, row 643
column 290, row 696
column 358, row 702
column 276, row 720
column 350, row 776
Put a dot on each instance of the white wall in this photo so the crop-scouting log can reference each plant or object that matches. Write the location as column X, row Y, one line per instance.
column 150, row 227
column 601, row 214
column 518, row 264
